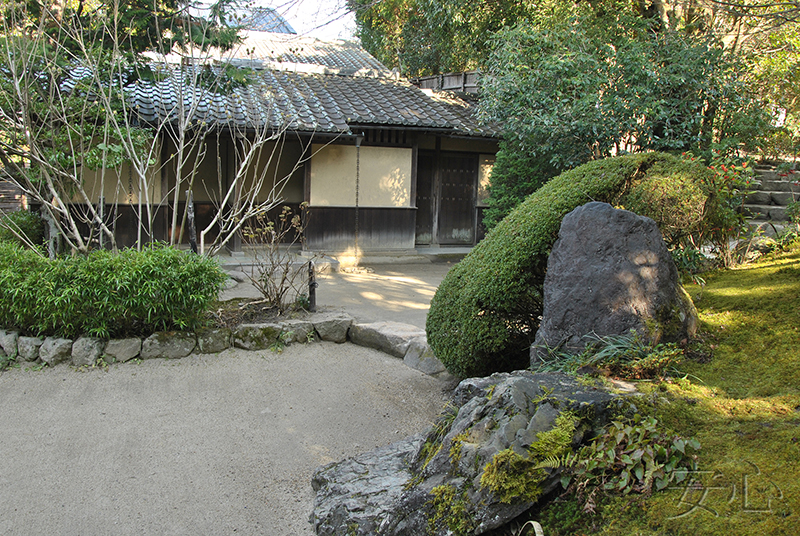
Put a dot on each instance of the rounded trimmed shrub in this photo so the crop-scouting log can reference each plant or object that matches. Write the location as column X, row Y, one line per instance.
column 676, row 202
column 515, row 175
column 486, row 311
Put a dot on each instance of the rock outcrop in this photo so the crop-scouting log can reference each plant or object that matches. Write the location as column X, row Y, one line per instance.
column 458, row 476
column 610, row 272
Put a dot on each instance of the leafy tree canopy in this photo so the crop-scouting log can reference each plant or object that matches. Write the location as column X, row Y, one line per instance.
column 587, row 87
column 126, row 27
column 65, row 69
column 572, row 82
column 421, row 37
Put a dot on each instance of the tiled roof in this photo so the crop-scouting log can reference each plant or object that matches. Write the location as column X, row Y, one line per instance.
column 266, row 49
column 305, row 85
column 307, row 102
column 263, row 19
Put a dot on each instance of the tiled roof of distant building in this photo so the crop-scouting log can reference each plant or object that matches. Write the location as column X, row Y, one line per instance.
column 305, row 85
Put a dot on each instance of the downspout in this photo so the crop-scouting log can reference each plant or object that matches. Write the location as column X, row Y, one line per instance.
column 359, row 138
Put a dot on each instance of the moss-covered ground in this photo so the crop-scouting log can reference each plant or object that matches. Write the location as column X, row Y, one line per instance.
column 740, row 397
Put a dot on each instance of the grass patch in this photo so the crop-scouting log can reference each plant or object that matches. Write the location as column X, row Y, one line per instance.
column 742, row 404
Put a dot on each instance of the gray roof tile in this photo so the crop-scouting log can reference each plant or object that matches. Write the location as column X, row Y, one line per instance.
column 305, row 85
column 307, row 102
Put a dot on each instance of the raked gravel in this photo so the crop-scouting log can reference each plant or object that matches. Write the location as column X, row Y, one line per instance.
column 205, row 445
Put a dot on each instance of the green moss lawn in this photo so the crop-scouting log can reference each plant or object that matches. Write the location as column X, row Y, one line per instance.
column 739, row 395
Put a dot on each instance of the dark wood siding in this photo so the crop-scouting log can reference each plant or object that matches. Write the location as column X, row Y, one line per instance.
column 426, row 165
column 10, row 197
column 332, row 229
column 457, row 203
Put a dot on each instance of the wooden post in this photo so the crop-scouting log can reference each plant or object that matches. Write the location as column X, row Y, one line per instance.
column 436, row 202
column 312, row 288
column 190, row 221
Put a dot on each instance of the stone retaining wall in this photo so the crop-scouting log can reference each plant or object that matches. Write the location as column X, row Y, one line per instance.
column 400, row 340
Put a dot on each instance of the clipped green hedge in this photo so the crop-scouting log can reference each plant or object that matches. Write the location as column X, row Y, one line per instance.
column 485, row 313
column 106, row 294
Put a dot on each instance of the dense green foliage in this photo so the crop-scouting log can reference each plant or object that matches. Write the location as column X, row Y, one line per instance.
column 516, row 175
column 485, row 313
column 105, row 294
column 676, row 202
column 634, row 456
column 595, row 83
column 22, row 227
column 422, row 37
column 625, row 89
column 625, row 356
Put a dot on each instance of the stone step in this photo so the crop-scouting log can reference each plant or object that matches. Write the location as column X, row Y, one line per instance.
column 773, row 175
column 762, row 197
column 765, row 212
column 779, row 186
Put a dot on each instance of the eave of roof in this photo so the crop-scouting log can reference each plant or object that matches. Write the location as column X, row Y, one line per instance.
column 307, row 102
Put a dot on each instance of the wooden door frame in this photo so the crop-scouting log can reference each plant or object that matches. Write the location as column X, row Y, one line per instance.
column 436, row 190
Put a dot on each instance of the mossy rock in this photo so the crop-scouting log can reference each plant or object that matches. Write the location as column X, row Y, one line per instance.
column 486, row 311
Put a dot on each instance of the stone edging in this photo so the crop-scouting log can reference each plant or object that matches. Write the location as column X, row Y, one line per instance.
column 396, row 339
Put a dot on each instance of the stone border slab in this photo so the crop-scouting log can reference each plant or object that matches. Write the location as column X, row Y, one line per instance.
column 396, row 339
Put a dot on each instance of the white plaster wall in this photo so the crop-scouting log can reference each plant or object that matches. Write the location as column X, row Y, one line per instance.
column 119, row 186
column 384, row 176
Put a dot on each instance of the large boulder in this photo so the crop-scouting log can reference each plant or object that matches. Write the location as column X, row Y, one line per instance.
column 458, row 476
column 486, row 310
column 610, row 272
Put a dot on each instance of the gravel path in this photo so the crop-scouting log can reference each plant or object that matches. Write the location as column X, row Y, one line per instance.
column 206, row 445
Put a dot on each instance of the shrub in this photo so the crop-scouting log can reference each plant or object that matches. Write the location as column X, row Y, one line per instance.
column 634, row 456
column 676, row 203
column 106, row 294
column 277, row 273
column 486, row 311
column 22, row 222
column 516, row 175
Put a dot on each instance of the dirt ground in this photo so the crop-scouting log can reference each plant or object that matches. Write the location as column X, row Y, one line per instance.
column 213, row 444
